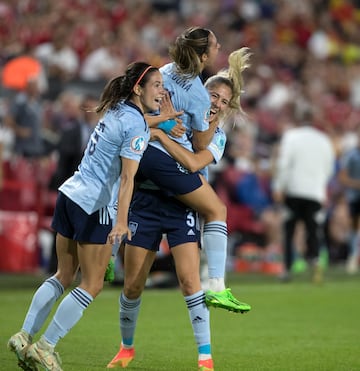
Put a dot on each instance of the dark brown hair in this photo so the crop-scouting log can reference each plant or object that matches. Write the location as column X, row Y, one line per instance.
column 188, row 49
column 121, row 87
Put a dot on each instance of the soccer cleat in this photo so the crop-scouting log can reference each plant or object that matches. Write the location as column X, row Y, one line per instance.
column 19, row 344
column 226, row 300
column 206, row 365
column 352, row 264
column 318, row 276
column 41, row 353
column 110, row 272
column 299, row 266
column 122, row 358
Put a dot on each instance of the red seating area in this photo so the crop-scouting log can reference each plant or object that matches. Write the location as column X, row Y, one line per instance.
column 240, row 217
column 249, row 256
column 26, row 206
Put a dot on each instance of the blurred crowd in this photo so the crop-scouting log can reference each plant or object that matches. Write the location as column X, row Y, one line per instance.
column 304, row 54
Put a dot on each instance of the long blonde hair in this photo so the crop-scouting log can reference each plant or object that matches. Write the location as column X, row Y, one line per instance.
column 233, row 77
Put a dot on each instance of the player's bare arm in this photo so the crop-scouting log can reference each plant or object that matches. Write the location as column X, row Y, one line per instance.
column 190, row 160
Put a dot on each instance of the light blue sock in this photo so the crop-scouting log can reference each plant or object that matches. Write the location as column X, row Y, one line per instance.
column 215, row 244
column 200, row 321
column 43, row 301
column 129, row 312
column 67, row 315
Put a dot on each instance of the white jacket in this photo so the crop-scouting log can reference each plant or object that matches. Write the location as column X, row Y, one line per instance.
column 305, row 164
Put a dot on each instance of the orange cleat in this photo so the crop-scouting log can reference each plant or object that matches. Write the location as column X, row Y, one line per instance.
column 206, row 365
column 122, row 358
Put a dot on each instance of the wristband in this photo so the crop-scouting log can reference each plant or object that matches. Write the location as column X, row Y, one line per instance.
column 167, row 125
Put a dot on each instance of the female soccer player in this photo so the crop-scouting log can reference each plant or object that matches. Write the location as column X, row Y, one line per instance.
column 153, row 214
column 194, row 49
column 81, row 219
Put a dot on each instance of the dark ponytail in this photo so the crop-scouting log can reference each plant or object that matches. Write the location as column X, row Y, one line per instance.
column 188, row 49
column 121, row 87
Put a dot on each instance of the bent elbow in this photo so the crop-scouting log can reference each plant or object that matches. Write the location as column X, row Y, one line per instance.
column 199, row 146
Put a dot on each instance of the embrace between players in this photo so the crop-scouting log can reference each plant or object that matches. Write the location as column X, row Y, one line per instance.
column 96, row 208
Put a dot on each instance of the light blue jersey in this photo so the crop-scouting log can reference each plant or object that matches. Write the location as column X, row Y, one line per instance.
column 351, row 162
column 122, row 132
column 217, row 148
column 190, row 96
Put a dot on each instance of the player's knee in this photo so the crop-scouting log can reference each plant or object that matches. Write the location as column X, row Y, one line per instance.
column 133, row 291
column 216, row 212
column 189, row 286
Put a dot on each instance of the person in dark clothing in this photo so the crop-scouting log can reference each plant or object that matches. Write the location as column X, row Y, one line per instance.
column 77, row 123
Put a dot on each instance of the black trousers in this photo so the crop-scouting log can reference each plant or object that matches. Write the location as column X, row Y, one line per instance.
column 300, row 209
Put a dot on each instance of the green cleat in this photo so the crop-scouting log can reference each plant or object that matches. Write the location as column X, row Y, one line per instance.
column 226, row 300
column 299, row 266
column 110, row 272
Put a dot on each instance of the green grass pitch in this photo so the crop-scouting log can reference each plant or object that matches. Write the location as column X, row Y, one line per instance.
column 292, row 327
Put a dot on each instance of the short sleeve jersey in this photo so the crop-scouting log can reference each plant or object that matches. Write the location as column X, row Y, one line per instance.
column 351, row 162
column 188, row 95
column 122, row 132
column 217, row 148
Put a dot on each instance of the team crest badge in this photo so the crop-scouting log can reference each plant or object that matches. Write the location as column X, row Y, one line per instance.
column 207, row 115
column 138, row 144
column 221, row 143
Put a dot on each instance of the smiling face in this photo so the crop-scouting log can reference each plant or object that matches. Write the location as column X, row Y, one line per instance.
column 220, row 96
column 148, row 97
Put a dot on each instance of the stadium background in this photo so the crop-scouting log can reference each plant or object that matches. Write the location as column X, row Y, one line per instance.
column 304, row 53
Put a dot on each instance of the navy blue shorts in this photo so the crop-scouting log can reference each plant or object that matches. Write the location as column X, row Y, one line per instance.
column 71, row 221
column 166, row 173
column 152, row 214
